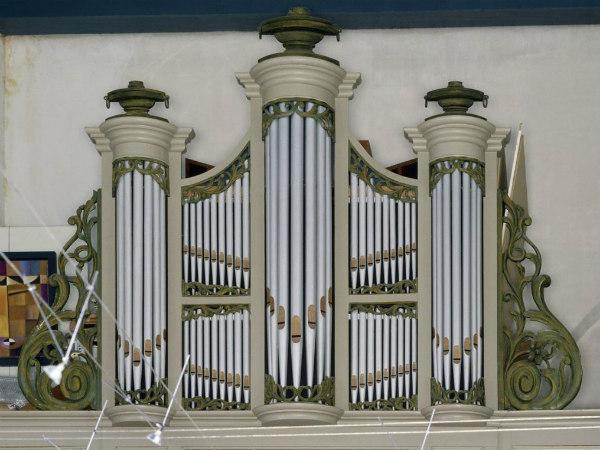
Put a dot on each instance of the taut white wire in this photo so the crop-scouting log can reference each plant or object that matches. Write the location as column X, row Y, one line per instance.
column 97, row 425
column 428, row 428
column 49, row 441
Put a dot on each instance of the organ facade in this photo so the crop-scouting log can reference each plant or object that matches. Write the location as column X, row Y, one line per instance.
column 300, row 282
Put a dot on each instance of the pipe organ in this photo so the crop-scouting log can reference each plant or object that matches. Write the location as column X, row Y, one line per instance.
column 305, row 281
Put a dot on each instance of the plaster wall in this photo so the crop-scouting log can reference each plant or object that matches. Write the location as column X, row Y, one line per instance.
column 545, row 77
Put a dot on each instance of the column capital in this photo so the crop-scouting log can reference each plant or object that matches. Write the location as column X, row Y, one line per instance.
column 457, row 135
column 139, row 137
column 301, row 77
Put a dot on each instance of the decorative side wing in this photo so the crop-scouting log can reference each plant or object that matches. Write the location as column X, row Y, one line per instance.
column 79, row 386
column 541, row 366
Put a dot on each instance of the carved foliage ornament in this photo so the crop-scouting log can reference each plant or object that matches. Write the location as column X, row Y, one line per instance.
column 158, row 170
column 379, row 182
column 323, row 393
column 218, row 183
column 79, row 387
column 541, row 366
column 192, row 312
column 286, row 107
column 444, row 166
column 473, row 396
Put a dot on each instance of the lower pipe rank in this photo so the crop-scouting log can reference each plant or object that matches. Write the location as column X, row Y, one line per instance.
column 217, row 338
column 457, row 309
column 383, row 357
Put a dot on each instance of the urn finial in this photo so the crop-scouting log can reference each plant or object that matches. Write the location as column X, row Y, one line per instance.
column 455, row 98
column 299, row 32
column 136, row 99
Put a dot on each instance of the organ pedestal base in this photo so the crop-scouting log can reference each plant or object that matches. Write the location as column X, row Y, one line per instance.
column 462, row 414
column 284, row 414
column 135, row 416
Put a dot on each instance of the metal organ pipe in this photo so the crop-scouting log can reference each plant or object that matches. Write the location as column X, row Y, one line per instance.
column 283, row 236
column 310, row 243
column 296, row 247
column 120, row 283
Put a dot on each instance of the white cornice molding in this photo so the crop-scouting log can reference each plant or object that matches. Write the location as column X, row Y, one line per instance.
column 140, row 137
column 349, row 84
column 250, row 86
column 99, row 139
column 455, row 135
column 301, row 76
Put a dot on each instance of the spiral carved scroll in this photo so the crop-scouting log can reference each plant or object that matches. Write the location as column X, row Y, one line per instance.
column 541, row 361
column 78, row 388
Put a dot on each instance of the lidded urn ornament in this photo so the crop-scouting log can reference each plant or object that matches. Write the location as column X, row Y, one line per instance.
column 299, row 32
column 455, row 98
column 136, row 100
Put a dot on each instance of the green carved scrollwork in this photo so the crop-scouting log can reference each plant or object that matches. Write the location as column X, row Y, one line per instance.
column 158, row 170
column 298, row 106
column 323, row 393
column 541, row 363
column 195, row 289
column 155, row 395
column 209, row 404
column 192, row 312
column 444, row 166
column 401, row 287
column 391, row 309
column 381, row 183
column 218, row 183
column 392, row 404
column 473, row 396
column 79, row 386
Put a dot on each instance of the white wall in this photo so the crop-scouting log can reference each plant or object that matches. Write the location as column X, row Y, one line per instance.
column 546, row 77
